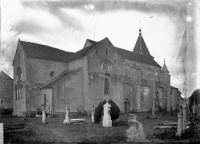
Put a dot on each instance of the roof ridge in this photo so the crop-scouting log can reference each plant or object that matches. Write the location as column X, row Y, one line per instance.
column 45, row 46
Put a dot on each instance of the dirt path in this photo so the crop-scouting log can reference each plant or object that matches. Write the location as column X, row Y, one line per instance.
column 135, row 133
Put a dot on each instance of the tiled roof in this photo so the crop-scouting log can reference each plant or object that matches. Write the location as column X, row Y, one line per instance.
column 39, row 51
column 140, row 46
column 4, row 76
column 138, row 57
column 59, row 77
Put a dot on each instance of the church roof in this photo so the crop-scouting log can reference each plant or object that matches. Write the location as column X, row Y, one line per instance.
column 138, row 57
column 140, row 46
column 4, row 76
column 59, row 77
column 40, row 51
column 49, row 53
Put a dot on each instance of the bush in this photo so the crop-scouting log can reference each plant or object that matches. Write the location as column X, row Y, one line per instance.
column 82, row 112
column 114, row 111
column 6, row 111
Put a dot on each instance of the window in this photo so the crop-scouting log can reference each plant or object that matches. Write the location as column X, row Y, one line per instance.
column 21, row 91
column 44, row 100
column 2, row 101
column 16, row 92
column 19, row 72
column 142, row 95
column 106, row 86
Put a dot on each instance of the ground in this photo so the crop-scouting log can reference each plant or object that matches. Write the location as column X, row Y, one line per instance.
column 18, row 129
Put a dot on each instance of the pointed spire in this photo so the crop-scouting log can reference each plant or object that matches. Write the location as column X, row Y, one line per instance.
column 164, row 68
column 140, row 46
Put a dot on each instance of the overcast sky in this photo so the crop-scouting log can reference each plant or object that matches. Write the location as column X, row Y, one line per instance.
column 66, row 24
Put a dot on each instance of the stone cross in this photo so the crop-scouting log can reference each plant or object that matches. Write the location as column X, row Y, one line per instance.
column 43, row 114
column 67, row 120
column 179, row 127
column 93, row 113
column 107, row 122
column 184, row 118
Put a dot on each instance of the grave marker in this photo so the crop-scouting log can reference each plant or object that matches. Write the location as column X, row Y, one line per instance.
column 107, row 122
column 179, row 127
column 93, row 113
column 43, row 114
column 67, row 120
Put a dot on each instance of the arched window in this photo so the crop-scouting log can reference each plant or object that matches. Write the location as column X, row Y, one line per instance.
column 142, row 95
column 19, row 72
column 106, row 86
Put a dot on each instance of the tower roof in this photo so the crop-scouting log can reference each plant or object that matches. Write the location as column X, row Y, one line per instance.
column 164, row 68
column 140, row 46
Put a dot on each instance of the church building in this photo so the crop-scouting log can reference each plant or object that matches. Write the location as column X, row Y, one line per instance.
column 54, row 78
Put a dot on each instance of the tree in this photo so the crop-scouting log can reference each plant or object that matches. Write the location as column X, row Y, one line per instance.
column 98, row 114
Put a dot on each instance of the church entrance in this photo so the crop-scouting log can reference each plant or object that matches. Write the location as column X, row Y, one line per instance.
column 126, row 106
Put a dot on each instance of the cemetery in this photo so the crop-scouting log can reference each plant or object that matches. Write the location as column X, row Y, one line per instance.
column 104, row 123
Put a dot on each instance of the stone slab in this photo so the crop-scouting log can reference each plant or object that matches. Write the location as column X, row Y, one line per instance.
column 77, row 120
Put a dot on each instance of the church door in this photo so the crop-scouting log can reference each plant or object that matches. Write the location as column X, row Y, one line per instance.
column 126, row 106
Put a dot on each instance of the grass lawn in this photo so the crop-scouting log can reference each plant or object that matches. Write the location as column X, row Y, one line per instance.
column 32, row 129
column 56, row 131
column 150, row 123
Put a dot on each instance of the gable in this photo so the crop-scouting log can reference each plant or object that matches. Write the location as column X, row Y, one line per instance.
column 89, row 43
column 17, row 52
column 4, row 76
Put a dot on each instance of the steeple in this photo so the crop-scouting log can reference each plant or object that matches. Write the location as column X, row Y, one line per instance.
column 164, row 68
column 140, row 46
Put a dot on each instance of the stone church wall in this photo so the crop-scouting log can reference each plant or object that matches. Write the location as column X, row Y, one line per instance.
column 105, row 53
column 43, row 71
column 19, row 105
column 68, row 92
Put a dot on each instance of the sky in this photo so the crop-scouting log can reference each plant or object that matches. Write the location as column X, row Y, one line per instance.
column 169, row 27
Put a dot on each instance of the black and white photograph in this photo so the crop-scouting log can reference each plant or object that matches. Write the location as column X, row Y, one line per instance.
column 100, row 71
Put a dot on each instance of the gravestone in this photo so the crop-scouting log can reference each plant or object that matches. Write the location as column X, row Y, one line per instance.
column 38, row 113
column 179, row 127
column 93, row 114
column 67, row 120
column 43, row 114
column 184, row 122
column 98, row 113
column 107, row 122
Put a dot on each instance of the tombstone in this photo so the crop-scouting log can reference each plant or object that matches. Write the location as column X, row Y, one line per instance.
column 93, row 114
column 67, row 120
column 184, row 122
column 43, row 114
column 107, row 122
column 38, row 113
column 179, row 127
